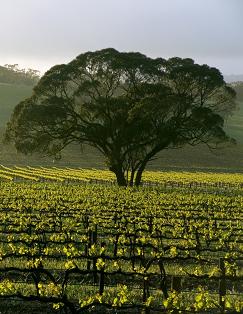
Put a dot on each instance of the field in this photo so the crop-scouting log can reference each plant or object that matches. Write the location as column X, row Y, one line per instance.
column 234, row 123
column 73, row 242
column 10, row 96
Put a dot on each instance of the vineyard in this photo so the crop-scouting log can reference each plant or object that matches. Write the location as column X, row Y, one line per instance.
column 151, row 178
column 70, row 245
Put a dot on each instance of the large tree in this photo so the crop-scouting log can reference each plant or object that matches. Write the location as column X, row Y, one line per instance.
column 128, row 106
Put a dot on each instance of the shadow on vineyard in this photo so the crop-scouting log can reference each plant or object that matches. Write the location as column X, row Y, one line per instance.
column 18, row 307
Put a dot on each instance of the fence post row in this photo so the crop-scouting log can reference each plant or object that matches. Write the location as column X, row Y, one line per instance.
column 222, row 285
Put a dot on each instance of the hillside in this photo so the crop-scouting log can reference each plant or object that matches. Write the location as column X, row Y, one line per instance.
column 233, row 78
column 15, row 85
column 230, row 158
column 234, row 124
column 12, row 74
column 10, row 95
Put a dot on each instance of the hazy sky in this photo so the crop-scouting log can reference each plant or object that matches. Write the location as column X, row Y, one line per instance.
column 42, row 33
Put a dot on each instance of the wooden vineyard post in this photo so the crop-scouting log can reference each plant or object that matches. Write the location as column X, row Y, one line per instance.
column 150, row 223
column 145, row 294
column 101, row 281
column 88, row 247
column 176, row 283
column 94, row 241
column 102, row 274
column 116, row 245
column 222, row 285
column 163, row 279
column 116, row 237
column 89, row 236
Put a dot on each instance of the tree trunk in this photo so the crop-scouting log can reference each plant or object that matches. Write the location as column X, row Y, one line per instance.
column 147, row 158
column 140, row 173
column 120, row 177
column 132, row 177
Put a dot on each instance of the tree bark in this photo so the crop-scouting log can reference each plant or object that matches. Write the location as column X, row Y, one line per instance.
column 120, row 176
column 147, row 158
column 140, row 173
column 132, row 177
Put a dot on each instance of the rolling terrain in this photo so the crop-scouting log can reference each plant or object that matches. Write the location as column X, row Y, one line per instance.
column 10, row 95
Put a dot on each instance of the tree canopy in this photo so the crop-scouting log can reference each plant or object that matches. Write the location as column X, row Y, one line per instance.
column 127, row 105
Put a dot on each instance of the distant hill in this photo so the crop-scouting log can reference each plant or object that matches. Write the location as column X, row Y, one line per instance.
column 234, row 124
column 12, row 74
column 10, row 96
column 238, row 87
column 15, row 85
column 233, row 78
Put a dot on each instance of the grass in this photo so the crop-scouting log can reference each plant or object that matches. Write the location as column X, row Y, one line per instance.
column 234, row 125
column 198, row 158
column 10, row 96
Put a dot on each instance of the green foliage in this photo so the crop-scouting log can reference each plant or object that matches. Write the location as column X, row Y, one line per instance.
column 128, row 106
column 50, row 233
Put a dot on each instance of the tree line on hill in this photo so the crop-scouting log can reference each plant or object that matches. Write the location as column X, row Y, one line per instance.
column 12, row 74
